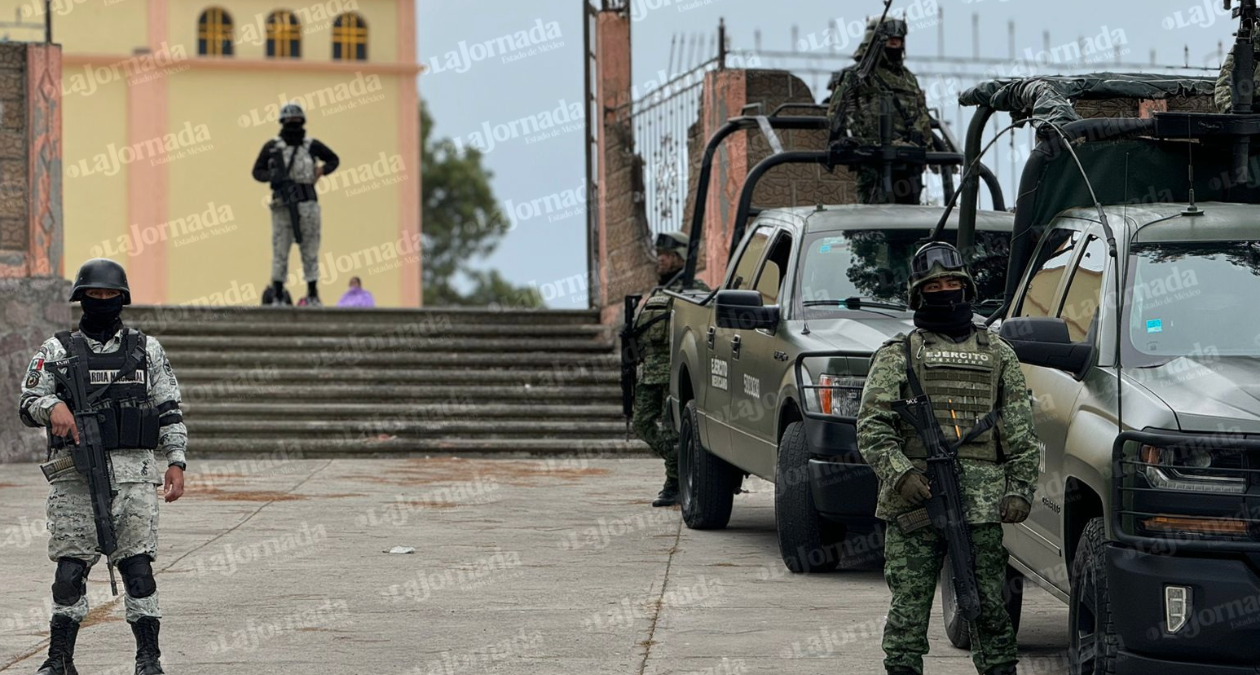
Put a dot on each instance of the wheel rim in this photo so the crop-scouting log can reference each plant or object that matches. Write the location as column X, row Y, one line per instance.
column 1085, row 626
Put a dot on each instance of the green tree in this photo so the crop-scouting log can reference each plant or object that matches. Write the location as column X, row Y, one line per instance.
column 461, row 223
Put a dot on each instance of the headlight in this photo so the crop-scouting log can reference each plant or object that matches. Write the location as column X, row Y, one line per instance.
column 839, row 395
column 1192, row 469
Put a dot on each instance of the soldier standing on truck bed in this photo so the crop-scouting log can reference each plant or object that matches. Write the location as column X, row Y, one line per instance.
column 966, row 372
column 860, row 122
column 650, row 423
column 135, row 390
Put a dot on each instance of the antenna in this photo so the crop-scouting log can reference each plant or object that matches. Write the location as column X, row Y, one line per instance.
column 1192, row 210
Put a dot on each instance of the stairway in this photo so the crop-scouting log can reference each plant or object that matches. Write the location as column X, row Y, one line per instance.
column 336, row 382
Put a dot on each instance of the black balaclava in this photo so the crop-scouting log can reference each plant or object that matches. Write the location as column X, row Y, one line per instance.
column 945, row 312
column 895, row 56
column 293, row 131
column 102, row 319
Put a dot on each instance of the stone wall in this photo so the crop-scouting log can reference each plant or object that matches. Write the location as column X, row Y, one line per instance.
column 30, row 312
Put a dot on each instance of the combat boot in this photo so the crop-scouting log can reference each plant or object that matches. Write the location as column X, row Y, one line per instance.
column 147, row 653
column 64, row 631
column 1008, row 669
column 668, row 495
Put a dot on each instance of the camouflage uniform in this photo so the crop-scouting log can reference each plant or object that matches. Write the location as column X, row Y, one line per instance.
column 652, row 389
column 911, row 124
column 965, row 377
column 303, row 172
column 135, row 473
column 1224, row 83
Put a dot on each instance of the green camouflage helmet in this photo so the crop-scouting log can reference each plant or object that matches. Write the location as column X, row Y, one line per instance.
column 675, row 242
column 937, row 260
column 891, row 28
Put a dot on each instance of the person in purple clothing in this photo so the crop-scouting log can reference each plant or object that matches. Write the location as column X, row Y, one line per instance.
column 356, row 296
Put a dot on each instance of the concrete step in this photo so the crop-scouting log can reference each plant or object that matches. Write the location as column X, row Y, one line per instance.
column 161, row 316
column 248, row 343
column 424, row 377
column 300, row 394
column 373, row 331
column 225, row 448
column 361, row 411
column 369, row 428
column 279, row 357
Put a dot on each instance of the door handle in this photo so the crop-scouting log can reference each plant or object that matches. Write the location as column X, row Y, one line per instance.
column 712, row 336
column 735, row 341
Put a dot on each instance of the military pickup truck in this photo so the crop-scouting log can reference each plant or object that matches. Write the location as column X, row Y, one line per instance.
column 767, row 370
column 1134, row 322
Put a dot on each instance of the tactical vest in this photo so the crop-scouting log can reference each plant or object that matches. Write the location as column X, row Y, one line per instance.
column 302, row 169
column 118, row 388
column 964, row 383
column 653, row 321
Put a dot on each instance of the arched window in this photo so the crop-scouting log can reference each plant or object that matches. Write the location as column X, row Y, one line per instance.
column 350, row 38
column 214, row 33
column 284, row 35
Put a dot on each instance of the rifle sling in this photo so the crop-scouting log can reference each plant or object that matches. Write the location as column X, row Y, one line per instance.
column 916, row 390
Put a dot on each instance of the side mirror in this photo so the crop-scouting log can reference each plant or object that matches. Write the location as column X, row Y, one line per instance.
column 742, row 310
column 1046, row 343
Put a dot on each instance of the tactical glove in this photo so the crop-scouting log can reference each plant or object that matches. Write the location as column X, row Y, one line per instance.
column 913, row 487
column 1015, row 509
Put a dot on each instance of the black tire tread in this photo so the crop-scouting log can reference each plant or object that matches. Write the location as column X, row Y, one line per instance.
column 714, row 495
column 1090, row 554
column 797, row 523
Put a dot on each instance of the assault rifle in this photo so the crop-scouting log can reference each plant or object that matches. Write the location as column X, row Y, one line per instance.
column 944, row 509
column 285, row 190
column 630, row 357
column 89, row 457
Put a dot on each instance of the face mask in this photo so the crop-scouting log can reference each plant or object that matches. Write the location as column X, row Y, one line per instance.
column 101, row 317
column 293, row 126
column 894, row 56
column 945, row 312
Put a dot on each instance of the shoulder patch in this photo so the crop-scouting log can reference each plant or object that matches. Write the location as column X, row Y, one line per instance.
column 33, row 378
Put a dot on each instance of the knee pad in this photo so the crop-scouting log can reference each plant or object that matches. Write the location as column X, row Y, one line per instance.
column 70, row 583
column 137, row 574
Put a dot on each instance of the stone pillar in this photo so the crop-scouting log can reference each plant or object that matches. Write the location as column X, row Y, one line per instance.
column 627, row 262
column 33, row 295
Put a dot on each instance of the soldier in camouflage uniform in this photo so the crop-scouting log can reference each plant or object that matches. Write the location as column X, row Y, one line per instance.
column 1224, row 82
column 143, row 397
column 306, row 159
column 650, row 393
column 860, row 123
column 966, row 371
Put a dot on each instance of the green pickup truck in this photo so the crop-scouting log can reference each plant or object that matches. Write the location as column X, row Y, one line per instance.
column 767, row 370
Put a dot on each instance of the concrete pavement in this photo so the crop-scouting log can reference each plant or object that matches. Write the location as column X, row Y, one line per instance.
column 556, row 566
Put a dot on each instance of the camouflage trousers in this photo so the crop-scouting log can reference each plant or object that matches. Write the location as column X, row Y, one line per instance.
column 282, row 241
column 913, row 565
column 135, row 511
column 907, row 186
column 650, row 424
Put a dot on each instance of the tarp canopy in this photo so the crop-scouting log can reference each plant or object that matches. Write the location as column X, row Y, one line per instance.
column 1051, row 97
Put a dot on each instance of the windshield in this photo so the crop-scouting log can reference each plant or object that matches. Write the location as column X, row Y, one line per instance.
column 1193, row 299
column 875, row 265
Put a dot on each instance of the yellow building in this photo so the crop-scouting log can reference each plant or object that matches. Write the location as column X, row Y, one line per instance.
column 166, row 105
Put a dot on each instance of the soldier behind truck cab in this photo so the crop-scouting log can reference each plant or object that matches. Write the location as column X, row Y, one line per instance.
column 861, row 100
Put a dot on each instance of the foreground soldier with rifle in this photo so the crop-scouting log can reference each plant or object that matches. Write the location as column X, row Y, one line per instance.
column 645, row 347
column 109, row 398
column 946, row 424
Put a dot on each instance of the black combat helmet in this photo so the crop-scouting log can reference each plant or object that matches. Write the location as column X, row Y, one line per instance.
column 292, row 111
column 935, row 260
column 101, row 273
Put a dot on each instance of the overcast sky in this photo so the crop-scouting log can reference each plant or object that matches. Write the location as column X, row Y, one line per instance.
column 470, row 91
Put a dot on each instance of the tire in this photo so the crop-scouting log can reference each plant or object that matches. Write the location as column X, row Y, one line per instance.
column 1094, row 644
column 955, row 627
column 807, row 541
column 707, row 483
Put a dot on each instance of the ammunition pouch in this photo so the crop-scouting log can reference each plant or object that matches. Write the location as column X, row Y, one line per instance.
column 288, row 192
column 122, row 427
